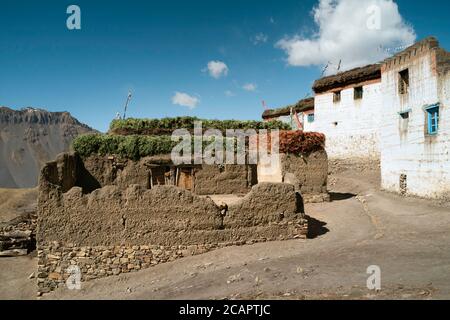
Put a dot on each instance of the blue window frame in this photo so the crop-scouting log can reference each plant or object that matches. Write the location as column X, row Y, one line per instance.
column 311, row 117
column 433, row 119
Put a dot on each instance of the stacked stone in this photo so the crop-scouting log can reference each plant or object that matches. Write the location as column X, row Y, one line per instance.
column 17, row 237
column 54, row 259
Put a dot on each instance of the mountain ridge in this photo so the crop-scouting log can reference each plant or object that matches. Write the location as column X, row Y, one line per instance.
column 29, row 138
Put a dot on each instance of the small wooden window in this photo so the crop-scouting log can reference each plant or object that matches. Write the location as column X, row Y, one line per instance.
column 433, row 120
column 358, row 93
column 403, row 86
column 337, row 96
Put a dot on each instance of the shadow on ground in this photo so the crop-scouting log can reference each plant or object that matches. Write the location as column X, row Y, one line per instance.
column 336, row 196
column 316, row 228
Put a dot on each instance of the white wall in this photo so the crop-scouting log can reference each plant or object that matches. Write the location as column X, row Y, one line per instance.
column 356, row 132
column 270, row 171
column 303, row 118
column 424, row 159
column 288, row 120
column 307, row 126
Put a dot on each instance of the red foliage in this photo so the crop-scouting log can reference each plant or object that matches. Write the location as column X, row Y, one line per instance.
column 297, row 142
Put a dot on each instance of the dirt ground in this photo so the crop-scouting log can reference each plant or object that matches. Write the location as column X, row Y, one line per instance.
column 15, row 272
column 407, row 238
column 14, row 202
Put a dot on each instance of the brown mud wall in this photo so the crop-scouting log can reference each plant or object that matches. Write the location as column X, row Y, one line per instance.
column 226, row 179
column 308, row 174
column 207, row 179
column 112, row 230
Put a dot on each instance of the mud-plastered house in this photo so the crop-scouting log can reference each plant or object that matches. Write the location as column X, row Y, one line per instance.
column 120, row 203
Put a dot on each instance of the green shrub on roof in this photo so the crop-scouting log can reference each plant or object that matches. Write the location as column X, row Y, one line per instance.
column 131, row 147
column 166, row 126
column 137, row 146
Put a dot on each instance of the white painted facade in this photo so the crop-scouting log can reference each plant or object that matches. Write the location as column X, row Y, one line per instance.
column 392, row 126
column 309, row 124
column 305, row 121
column 270, row 171
column 350, row 125
column 407, row 148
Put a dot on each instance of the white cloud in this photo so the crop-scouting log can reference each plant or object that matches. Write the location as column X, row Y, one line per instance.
column 217, row 69
column 249, row 87
column 354, row 31
column 229, row 93
column 260, row 38
column 185, row 100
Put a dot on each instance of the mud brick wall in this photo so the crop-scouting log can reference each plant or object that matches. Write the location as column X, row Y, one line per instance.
column 111, row 230
column 208, row 179
column 226, row 179
column 309, row 175
column 120, row 172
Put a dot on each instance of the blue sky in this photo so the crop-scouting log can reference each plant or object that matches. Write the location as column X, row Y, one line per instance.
column 158, row 48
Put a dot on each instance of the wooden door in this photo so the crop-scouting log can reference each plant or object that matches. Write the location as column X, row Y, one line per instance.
column 185, row 178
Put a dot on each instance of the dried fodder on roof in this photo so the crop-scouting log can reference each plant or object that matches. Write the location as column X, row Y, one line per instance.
column 302, row 105
column 354, row 76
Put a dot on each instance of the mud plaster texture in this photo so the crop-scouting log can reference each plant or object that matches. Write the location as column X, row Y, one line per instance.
column 111, row 230
column 207, row 179
column 226, row 179
column 308, row 174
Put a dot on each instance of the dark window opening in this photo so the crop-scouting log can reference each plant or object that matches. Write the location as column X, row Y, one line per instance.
column 403, row 86
column 337, row 96
column 358, row 93
column 404, row 122
column 311, row 117
column 404, row 115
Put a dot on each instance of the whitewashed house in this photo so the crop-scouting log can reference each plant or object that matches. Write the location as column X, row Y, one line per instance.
column 415, row 124
column 347, row 109
column 397, row 112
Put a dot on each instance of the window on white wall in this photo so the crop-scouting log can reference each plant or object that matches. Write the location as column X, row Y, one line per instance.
column 405, row 114
column 336, row 96
column 311, row 117
column 358, row 93
column 403, row 81
column 404, row 121
column 432, row 117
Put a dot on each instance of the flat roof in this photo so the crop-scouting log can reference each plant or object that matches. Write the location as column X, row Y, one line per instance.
column 302, row 105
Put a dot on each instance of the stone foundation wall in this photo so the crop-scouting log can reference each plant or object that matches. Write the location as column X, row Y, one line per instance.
column 96, row 262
